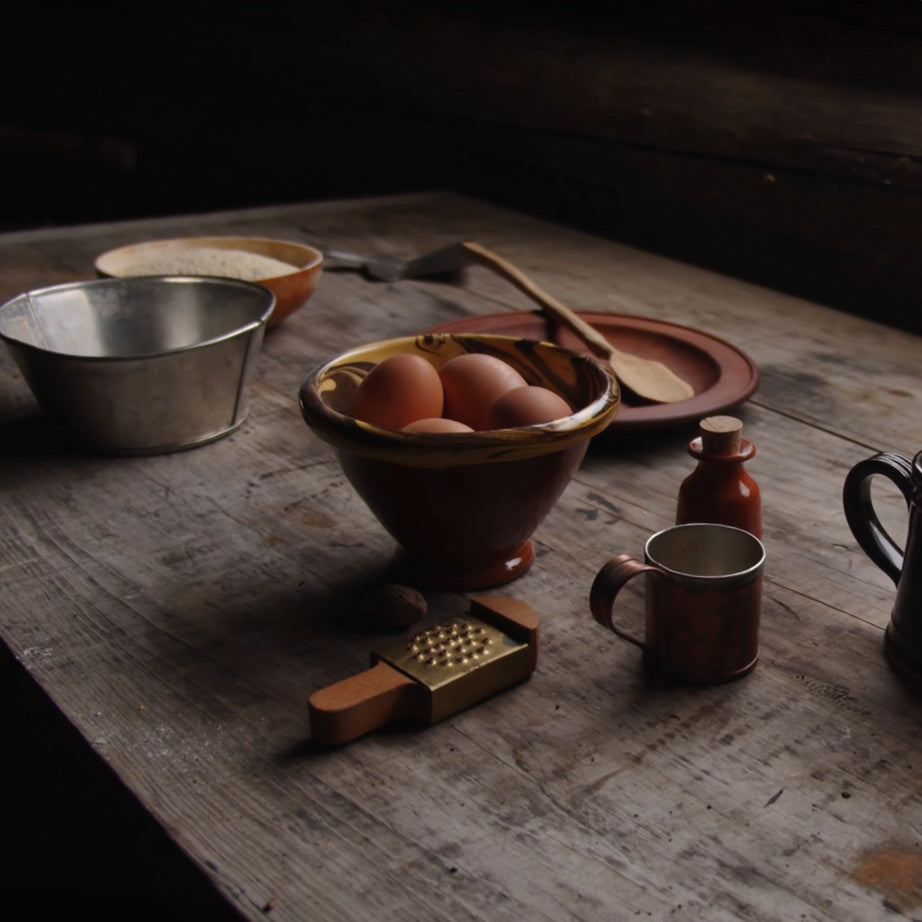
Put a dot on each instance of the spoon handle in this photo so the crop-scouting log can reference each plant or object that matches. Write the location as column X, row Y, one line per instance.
column 521, row 281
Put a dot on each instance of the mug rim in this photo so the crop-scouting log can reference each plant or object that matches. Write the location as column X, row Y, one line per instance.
column 742, row 575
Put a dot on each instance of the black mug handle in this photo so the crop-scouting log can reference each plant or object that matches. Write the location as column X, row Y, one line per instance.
column 862, row 519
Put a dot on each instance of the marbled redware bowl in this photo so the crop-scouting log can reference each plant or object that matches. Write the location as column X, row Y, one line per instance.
column 462, row 506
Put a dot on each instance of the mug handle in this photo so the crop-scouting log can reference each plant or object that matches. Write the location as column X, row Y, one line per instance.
column 609, row 581
column 861, row 516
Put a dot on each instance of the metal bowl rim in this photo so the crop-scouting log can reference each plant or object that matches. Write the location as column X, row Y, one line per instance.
column 255, row 287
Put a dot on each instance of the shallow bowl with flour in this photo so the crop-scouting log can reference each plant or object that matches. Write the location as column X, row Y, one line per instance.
column 290, row 270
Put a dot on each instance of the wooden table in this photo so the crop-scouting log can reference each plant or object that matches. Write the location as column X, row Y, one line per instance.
column 177, row 611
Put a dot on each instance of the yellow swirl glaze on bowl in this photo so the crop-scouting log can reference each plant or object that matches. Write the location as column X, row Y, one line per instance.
column 463, row 506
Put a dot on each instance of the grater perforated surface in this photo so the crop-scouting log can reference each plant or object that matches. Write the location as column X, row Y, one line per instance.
column 459, row 661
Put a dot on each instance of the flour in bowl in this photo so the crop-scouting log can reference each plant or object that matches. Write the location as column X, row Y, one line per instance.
column 204, row 260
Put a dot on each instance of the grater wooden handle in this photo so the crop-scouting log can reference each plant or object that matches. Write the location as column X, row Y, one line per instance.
column 354, row 706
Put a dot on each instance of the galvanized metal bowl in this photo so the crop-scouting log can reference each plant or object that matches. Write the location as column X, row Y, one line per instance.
column 140, row 365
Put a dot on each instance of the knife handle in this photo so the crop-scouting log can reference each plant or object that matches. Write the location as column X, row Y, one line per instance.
column 363, row 702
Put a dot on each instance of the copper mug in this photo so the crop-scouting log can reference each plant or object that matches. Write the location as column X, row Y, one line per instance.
column 702, row 601
column 903, row 637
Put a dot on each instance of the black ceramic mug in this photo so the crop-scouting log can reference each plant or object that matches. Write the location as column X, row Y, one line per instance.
column 903, row 638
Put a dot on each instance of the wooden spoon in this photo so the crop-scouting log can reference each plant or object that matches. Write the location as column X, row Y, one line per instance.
column 647, row 378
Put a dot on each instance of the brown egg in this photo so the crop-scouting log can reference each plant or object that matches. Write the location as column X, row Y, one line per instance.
column 471, row 383
column 436, row 424
column 525, row 406
column 397, row 391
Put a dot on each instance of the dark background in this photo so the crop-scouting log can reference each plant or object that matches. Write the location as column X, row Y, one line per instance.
column 776, row 141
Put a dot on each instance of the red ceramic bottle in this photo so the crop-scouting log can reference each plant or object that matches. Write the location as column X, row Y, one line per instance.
column 720, row 489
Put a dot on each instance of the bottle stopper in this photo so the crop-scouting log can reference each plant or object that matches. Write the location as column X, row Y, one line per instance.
column 721, row 435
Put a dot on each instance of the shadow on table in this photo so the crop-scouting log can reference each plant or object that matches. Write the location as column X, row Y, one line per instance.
column 82, row 848
column 33, row 435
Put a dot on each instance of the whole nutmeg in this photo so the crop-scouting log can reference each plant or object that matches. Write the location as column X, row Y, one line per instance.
column 394, row 606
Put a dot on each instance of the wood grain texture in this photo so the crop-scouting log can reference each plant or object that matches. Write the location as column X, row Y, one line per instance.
column 179, row 610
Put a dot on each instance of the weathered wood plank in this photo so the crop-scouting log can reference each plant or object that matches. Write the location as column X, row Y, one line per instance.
column 179, row 610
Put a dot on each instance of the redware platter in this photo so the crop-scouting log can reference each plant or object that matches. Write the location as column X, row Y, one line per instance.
column 721, row 375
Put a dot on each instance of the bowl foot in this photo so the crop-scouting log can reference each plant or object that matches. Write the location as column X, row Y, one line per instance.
column 446, row 575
